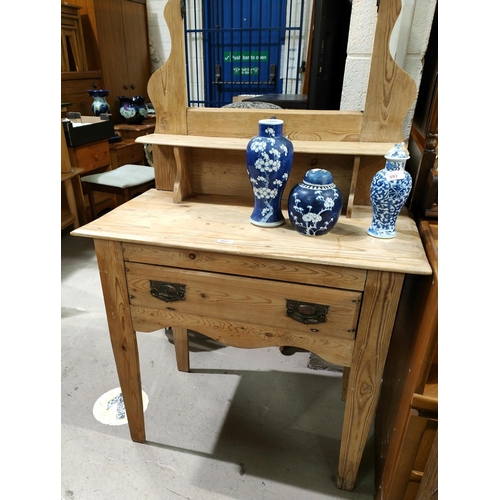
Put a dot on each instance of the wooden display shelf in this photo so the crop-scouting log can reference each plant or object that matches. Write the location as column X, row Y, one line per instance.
column 239, row 144
column 186, row 158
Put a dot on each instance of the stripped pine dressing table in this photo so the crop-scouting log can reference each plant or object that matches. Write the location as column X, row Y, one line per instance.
column 184, row 255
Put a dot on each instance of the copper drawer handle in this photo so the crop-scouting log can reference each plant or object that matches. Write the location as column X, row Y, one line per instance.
column 169, row 292
column 306, row 312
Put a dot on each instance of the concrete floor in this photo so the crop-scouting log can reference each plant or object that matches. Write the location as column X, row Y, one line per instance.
column 245, row 424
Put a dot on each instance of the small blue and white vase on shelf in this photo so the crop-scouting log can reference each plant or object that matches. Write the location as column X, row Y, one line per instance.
column 389, row 191
column 99, row 105
column 133, row 109
column 314, row 205
column 269, row 158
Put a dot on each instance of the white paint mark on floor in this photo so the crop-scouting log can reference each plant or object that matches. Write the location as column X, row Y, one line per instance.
column 109, row 409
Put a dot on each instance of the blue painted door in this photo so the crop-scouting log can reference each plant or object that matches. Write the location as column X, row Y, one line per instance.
column 242, row 48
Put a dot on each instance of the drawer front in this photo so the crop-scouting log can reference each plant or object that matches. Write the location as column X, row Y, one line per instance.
column 92, row 155
column 132, row 153
column 276, row 305
column 277, row 270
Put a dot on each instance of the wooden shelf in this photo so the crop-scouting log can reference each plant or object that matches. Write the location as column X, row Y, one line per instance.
column 81, row 75
column 238, row 144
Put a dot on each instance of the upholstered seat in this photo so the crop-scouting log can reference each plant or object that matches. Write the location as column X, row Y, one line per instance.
column 126, row 181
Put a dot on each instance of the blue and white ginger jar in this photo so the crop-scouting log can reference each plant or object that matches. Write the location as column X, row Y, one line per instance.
column 389, row 191
column 314, row 205
column 269, row 158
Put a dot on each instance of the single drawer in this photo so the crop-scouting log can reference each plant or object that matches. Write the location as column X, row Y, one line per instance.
column 126, row 152
column 289, row 307
column 90, row 156
column 254, row 267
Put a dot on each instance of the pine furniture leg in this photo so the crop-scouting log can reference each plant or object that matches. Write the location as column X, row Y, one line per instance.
column 123, row 337
column 70, row 197
column 378, row 312
column 345, row 382
column 93, row 208
column 181, row 344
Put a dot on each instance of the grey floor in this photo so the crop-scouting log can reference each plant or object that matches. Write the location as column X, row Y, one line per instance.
column 245, row 424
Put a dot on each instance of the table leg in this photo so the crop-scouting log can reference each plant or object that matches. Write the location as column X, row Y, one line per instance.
column 70, row 197
column 378, row 312
column 181, row 344
column 79, row 199
column 93, row 208
column 123, row 337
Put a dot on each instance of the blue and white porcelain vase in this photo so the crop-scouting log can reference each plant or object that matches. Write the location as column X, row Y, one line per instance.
column 314, row 205
column 99, row 105
column 389, row 191
column 269, row 161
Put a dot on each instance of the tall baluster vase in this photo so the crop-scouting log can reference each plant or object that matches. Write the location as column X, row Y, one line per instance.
column 389, row 191
column 269, row 158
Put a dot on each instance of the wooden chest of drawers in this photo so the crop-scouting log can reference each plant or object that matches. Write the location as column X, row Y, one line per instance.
column 126, row 152
column 90, row 156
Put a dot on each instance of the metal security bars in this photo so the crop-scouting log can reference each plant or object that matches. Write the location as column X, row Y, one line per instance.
column 244, row 47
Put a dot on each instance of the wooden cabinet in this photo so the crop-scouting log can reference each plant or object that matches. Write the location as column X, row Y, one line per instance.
column 74, row 87
column 76, row 78
column 126, row 152
column 73, row 57
column 90, row 156
column 128, row 131
column 117, row 43
column 423, row 142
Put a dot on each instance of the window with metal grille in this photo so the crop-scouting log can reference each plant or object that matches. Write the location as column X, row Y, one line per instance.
column 244, row 47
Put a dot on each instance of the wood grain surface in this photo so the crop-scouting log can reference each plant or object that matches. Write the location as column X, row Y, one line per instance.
column 221, row 225
column 122, row 333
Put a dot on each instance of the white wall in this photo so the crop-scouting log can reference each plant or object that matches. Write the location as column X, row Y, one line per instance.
column 362, row 31
column 414, row 40
column 158, row 33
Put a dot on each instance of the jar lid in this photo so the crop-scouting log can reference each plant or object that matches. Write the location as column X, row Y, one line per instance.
column 398, row 152
column 318, row 177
